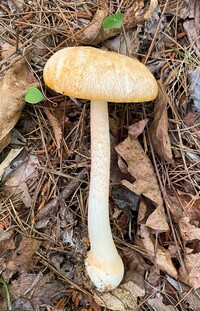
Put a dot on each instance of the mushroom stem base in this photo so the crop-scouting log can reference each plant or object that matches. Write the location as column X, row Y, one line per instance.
column 105, row 276
column 103, row 263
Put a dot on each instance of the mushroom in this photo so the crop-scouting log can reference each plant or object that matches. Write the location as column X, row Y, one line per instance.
column 100, row 76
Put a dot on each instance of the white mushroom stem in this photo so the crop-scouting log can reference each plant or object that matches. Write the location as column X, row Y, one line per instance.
column 103, row 262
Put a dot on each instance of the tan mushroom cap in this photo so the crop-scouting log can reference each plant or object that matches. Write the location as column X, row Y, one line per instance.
column 91, row 73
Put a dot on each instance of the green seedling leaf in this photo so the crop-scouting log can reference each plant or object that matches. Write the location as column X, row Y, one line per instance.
column 113, row 21
column 33, row 95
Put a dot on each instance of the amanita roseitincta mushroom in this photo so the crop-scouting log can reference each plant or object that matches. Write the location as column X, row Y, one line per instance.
column 100, row 76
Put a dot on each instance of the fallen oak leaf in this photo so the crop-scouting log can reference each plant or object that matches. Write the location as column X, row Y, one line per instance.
column 141, row 168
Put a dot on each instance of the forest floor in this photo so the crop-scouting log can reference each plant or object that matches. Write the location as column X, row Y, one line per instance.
column 45, row 159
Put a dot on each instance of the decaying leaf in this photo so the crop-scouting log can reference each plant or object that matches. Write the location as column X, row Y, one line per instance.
column 122, row 298
column 56, row 127
column 156, row 253
column 151, row 212
column 191, row 275
column 138, row 13
column 140, row 166
column 190, row 297
column 5, row 141
column 186, row 213
column 135, row 266
column 22, row 256
column 6, row 241
column 39, row 289
column 16, row 181
column 136, row 129
column 7, row 161
column 91, row 32
column 159, row 126
column 179, row 9
column 157, row 303
column 191, row 25
column 12, row 91
column 194, row 86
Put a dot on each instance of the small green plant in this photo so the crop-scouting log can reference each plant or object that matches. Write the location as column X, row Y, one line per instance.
column 33, row 95
column 113, row 21
column 187, row 57
column 5, row 285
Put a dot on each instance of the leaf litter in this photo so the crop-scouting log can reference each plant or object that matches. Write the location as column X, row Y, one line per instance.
column 154, row 201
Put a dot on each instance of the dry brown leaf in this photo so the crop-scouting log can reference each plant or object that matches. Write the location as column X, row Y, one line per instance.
column 191, row 25
column 191, row 275
column 154, row 275
column 123, row 298
column 6, row 241
column 56, row 126
column 136, row 14
column 156, row 253
column 17, row 182
column 190, row 297
column 146, row 183
column 184, row 205
column 152, row 6
column 29, row 282
column 189, row 231
column 135, row 266
column 4, row 142
column 157, row 304
column 91, row 32
column 136, row 129
column 194, row 88
column 159, row 126
column 13, row 85
column 179, row 9
column 185, row 211
column 22, row 256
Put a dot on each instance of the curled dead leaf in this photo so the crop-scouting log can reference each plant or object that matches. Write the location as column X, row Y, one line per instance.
column 57, row 130
column 159, row 126
column 5, row 141
column 138, row 13
column 155, row 252
column 13, row 85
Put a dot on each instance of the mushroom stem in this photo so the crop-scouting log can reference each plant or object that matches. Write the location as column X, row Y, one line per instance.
column 103, row 262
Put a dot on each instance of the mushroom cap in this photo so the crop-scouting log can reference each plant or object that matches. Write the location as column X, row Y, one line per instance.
column 91, row 73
